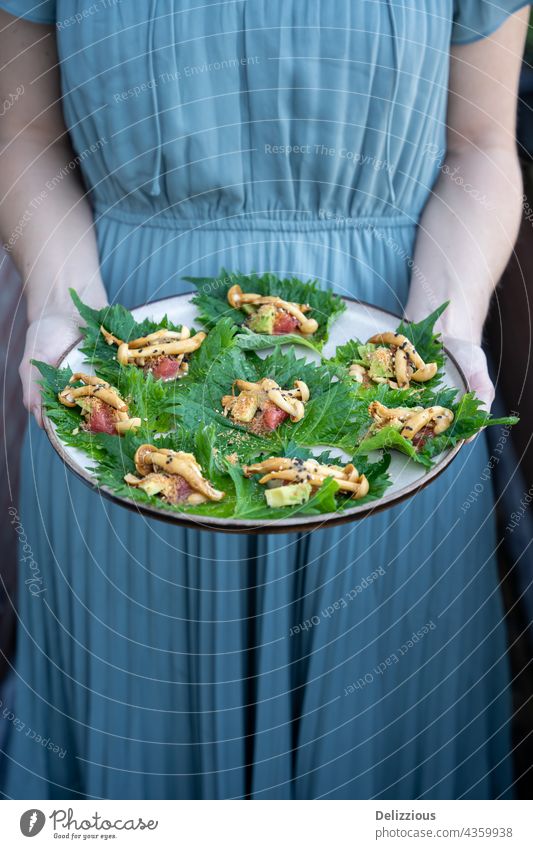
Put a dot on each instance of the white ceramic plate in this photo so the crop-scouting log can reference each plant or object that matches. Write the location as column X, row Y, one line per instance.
column 360, row 320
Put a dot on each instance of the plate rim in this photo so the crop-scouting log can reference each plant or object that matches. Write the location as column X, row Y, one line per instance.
column 248, row 526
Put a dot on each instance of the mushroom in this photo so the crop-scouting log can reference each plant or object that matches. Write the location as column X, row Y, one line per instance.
column 235, row 296
column 440, row 417
column 289, row 470
column 303, row 389
column 412, row 419
column 236, row 299
column 162, row 342
column 291, row 401
column 122, row 426
column 426, row 372
column 383, row 415
column 358, row 372
column 109, row 338
column 94, row 387
column 401, row 364
column 254, row 397
column 142, row 459
column 162, row 335
column 128, row 352
column 167, row 463
column 408, row 364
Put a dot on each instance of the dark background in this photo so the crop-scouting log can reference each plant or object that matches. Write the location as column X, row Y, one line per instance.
column 508, row 344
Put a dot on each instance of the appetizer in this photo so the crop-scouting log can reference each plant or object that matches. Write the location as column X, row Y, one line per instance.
column 263, row 406
column 266, row 307
column 417, row 424
column 101, row 406
column 174, row 476
column 163, row 353
column 393, row 359
column 227, row 435
column 270, row 314
column 291, row 481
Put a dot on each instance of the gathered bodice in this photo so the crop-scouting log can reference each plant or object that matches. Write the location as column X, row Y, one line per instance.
column 258, row 107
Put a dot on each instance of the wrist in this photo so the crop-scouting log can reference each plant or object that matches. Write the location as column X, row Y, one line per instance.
column 57, row 301
column 458, row 321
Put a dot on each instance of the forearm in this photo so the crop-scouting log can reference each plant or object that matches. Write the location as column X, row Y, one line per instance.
column 465, row 238
column 46, row 224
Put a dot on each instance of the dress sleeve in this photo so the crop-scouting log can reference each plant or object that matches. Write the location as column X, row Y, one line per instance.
column 475, row 19
column 38, row 11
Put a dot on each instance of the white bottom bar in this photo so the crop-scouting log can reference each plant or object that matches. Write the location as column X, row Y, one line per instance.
column 268, row 825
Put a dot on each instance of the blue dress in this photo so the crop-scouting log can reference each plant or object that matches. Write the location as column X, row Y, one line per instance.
column 368, row 661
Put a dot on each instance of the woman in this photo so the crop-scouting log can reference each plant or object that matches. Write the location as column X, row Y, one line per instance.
column 301, row 138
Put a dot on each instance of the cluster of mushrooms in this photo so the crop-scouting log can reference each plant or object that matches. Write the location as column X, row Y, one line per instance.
column 98, row 399
column 147, row 351
column 398, row 357
column 239, row 300
column 173, row 475
column 287, row 470
column 254, row 398
column 412, row 422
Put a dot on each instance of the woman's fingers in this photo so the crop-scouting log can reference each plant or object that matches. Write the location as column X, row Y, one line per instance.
column 473, row 362
column 47, row 338
column 30, row 389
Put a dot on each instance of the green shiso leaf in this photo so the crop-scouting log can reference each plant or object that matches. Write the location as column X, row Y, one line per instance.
column 250, row 341
column 422, row 335
column 211, row 301
column 245, row 497
column 253, row 504
column 250, row 494
column 469, row 419
column 120, row 322
column 66, row 419
column 328, row 417
column 377, row 474
column 351, row 352
column 116, row 461
column 218, row 343
column 387, row 438
column 145, row 397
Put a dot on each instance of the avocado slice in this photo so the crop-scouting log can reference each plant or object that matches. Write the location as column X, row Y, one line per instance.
column 263, row 320
column 380, row 363
column 289, row 495
column 364, row 352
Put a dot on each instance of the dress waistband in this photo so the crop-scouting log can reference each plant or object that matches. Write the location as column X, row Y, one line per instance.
column 262, row 220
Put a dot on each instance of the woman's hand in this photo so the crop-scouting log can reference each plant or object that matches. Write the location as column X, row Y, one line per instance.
column 473, row 362
column 464, row 347
column 56, row 247
column 48, row 337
